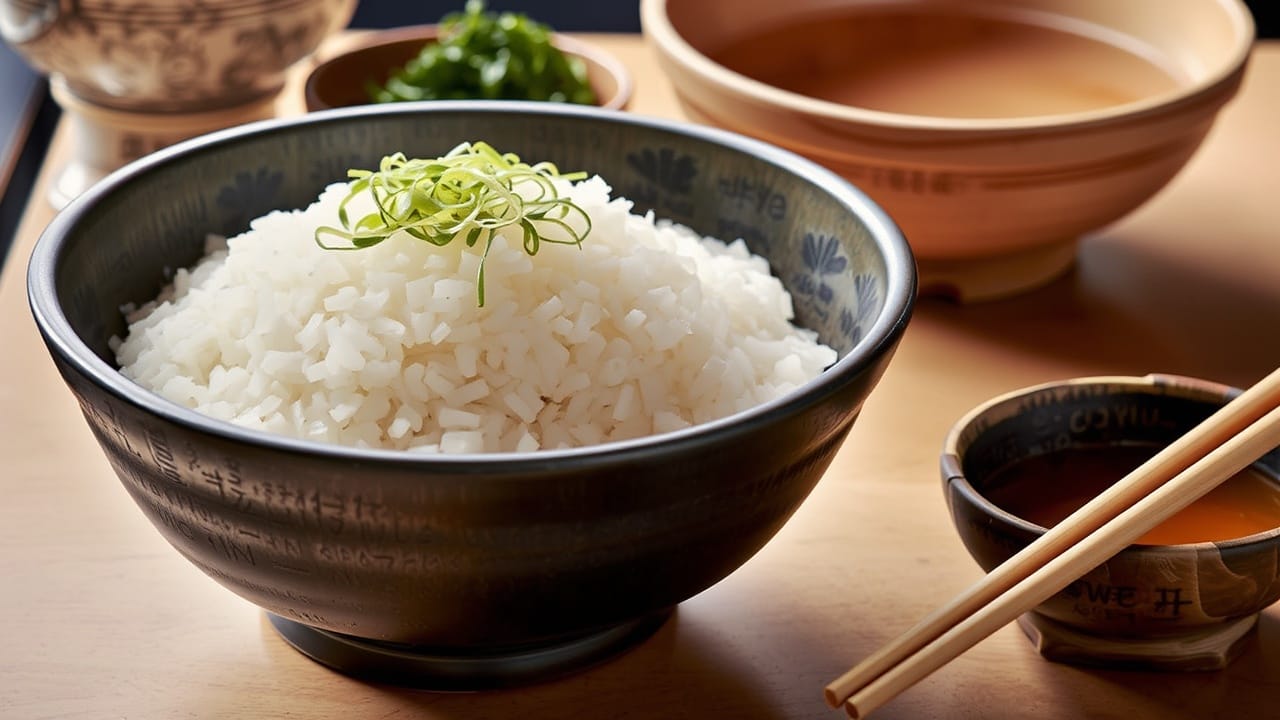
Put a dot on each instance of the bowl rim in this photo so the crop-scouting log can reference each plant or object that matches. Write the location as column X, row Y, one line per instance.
column 368, row 40
column 952, row 467
column 1222, row 80
column 869, row 355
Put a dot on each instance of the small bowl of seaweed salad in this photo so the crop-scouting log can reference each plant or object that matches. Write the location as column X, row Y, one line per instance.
column 470, row 55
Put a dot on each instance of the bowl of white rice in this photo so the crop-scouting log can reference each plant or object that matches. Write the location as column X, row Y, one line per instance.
column 486, row 461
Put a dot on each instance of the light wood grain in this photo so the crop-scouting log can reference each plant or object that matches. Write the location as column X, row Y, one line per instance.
column 1091, row 525
column 100, row 619
column 1104, row 527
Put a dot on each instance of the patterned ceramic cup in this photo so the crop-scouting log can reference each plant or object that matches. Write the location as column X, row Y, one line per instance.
column 1187, row 606
column 133, row 76
column 178, row 56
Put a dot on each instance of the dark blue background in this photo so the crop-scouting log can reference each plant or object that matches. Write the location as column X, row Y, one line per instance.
column 565, row 15
column 615, row 15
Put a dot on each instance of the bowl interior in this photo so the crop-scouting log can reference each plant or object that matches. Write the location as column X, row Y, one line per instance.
column 1090, row 423
column 848, row 268
column 775, row 51
column 341, row 80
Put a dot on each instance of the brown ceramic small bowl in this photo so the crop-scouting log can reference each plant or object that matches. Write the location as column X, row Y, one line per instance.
column 341, row 80
column 1188, row 606
column 991, row 174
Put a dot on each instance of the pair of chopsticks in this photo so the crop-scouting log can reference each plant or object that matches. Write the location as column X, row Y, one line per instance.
column 1222, row 445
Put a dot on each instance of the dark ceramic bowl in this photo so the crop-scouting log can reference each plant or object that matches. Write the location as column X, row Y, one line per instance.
column 469, row 571
column 1186, row 607
column 341, row 80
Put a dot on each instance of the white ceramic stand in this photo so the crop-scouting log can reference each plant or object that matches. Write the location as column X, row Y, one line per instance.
column 103, row 139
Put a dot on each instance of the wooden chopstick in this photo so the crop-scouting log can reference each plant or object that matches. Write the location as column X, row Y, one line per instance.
column 1224, row 428
column 1059, row 571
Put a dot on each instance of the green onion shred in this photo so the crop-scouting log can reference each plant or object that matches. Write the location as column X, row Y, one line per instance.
column 471, row 192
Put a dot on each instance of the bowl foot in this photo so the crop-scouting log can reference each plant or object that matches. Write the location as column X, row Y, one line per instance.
column 433, row 669
column 992, row 278
column 1212, row 648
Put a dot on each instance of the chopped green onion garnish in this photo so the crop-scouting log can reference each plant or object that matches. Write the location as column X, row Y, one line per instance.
column 473, row 191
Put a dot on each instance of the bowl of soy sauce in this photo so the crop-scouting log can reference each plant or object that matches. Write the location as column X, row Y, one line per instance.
column 1186, row 595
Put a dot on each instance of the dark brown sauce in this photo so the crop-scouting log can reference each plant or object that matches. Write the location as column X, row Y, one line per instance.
column 945, row 62
column 1047, row 488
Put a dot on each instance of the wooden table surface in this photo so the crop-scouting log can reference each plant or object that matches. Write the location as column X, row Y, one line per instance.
column 100, row 619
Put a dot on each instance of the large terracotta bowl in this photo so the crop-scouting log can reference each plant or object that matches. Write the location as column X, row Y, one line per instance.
column 341, row 78
column 471, row 570
column 1189, row 606
column 991, row 205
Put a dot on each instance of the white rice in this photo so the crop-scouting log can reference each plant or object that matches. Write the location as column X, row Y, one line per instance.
column 647, row 328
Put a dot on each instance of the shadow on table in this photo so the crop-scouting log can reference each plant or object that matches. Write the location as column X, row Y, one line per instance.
column 1243, row 690
column 1123, row 310
column 675, row 670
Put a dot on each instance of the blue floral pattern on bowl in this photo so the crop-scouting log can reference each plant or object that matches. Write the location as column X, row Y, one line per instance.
column 818, row 262
column 823, row 263
column 665, row 168
column 239, row 201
